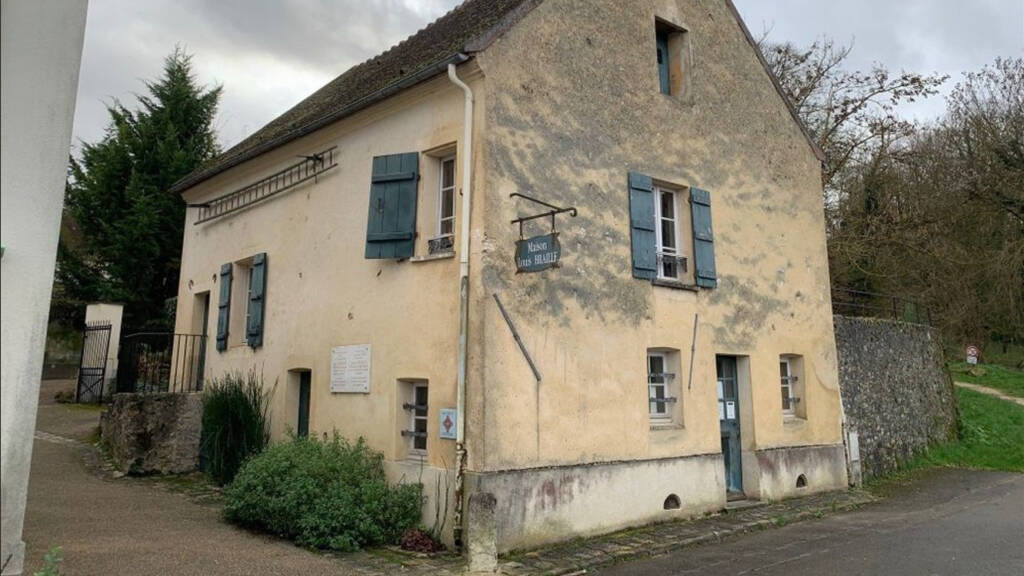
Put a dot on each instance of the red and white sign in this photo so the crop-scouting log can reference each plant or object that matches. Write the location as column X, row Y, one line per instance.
column 972, row 354
column 449, row 424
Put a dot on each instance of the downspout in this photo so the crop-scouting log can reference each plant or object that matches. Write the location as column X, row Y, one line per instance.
column 467, row 188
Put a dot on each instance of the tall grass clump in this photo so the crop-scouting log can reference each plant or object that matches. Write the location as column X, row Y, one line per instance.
column 235, row 422
column 329, row 494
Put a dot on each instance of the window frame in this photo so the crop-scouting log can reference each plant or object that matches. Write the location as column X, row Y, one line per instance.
column 248, row 301
column 441, row 219
column 788, row 383
column 414, row 416
column 662, row 37
column 666, row 415
column 659, row 245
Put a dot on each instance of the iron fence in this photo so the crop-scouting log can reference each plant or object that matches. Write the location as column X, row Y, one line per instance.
column 849, row 302
column 151, row 362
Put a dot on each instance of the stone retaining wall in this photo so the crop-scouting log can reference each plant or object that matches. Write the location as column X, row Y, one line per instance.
column 154, row 433
column 897, row 395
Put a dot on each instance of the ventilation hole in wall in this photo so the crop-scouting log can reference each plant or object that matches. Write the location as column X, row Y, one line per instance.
column 801, row 481
column 672, row 502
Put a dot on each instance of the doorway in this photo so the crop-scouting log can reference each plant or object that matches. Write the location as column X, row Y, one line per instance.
column 729, row 421
column 302, row 427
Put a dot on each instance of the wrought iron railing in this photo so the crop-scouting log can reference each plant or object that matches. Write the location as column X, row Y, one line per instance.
column 848, row 302
column 308, row 169
column 151, row 362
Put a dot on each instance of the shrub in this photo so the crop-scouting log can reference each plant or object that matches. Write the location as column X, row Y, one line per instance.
column 323, row 494
column 235, row 422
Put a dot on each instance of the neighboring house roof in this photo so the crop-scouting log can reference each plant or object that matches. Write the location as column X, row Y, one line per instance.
column 470, row 27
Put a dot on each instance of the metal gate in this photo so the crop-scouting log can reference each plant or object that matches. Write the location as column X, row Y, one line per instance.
column 92, row 366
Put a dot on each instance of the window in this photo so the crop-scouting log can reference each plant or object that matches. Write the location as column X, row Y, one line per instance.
column 672, row 57
column 661, row 385
column 661, row 37
column 446, row 198
column 790, row 367
column 247, row 277
column 241, row 295
column 671, row 264
column 417, row 406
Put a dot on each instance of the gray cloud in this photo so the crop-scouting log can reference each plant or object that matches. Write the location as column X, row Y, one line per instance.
column 269, row 55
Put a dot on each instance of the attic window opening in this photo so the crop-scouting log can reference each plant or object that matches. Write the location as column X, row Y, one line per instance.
column 672, row 57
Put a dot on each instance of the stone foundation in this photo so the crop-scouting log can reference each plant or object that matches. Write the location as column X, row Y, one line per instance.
column 775, row 474
column 154, row 433
column 539, row 506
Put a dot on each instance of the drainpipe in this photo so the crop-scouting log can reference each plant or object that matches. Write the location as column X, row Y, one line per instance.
column 467, row 187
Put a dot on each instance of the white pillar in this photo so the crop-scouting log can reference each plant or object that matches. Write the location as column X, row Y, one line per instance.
column 41, row 52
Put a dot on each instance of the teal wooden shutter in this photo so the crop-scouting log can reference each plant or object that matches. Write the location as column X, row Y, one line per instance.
column 224, row 307
column 257, row 301
column 641, row 222
column 663, row 77
column 703, row 238
column 391, row 224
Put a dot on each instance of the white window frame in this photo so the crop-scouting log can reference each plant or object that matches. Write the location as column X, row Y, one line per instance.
column 441, row 190
column 662, row 250
column 246, row 268
column 659, row 417
column 788, row 381
column 414, row 417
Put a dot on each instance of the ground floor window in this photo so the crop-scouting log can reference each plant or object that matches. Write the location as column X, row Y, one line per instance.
column 417, row 407
column 662, row 364
column 790, row 367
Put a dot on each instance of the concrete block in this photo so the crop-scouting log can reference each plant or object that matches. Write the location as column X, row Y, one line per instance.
column 483, row 533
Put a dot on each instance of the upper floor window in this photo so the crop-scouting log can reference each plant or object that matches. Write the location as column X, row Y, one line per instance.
column 671, row 262
column 446, row 197
column 672, row 57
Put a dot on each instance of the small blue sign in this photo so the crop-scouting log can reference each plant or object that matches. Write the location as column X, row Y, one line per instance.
column 538, row 253
column 448, row 424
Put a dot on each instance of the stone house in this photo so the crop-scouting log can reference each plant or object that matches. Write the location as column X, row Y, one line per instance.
column 360, row 250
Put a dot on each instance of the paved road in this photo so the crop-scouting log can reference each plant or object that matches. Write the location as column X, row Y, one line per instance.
column 951, row 522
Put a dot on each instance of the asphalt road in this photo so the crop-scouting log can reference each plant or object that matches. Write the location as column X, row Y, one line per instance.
column 949, row 522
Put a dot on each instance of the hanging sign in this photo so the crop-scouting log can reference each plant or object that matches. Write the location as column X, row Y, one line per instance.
column 538, row 253
column 350, row 369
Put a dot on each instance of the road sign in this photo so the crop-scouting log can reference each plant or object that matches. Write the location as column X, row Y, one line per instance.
column 972, row 354
column 448, row 424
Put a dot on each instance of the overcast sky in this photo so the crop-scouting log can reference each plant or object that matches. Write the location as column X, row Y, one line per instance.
column 268, row 55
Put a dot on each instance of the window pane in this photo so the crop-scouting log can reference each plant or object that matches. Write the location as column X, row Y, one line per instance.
column 668, row 234
column 785, row 398
column 655, row 364
column 448, row 173
column 447, row 203
column 784, row 369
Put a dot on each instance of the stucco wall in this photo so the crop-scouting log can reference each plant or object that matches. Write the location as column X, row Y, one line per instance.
column 41, row 51
column 572, row 109
column 897, row 394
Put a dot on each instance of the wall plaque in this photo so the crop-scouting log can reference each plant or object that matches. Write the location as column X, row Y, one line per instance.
column 350, row 369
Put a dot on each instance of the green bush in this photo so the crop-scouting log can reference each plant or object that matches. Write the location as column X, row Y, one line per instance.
column 323, row 494
column 235, row 423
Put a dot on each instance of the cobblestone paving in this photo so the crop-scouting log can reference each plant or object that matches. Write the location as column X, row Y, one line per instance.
column 577, row 556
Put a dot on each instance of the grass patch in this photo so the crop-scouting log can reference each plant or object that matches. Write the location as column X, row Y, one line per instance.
column 1001, row 378
column 991, row 436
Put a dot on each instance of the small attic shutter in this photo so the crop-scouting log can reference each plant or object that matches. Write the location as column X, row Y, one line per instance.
column 224, row 307
column 663, row 74
column 703, row 238
column 641, row 223
column 391, row 224
column 257, row 301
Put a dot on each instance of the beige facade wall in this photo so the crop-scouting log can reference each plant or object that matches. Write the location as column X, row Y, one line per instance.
column 573, row 109
column 321, row 292
column 563, row 113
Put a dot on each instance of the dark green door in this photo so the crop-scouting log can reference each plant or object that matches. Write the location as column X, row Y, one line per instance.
column 729, row 419
column 303, row 427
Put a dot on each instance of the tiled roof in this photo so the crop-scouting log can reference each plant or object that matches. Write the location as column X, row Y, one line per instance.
column 468, row 27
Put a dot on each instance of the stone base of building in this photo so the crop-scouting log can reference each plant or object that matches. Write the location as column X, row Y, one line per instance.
column 544, row 505
column 438, row 510
column 779, row 473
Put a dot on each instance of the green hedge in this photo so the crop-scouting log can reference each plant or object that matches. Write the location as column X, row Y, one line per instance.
column 323, row 494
